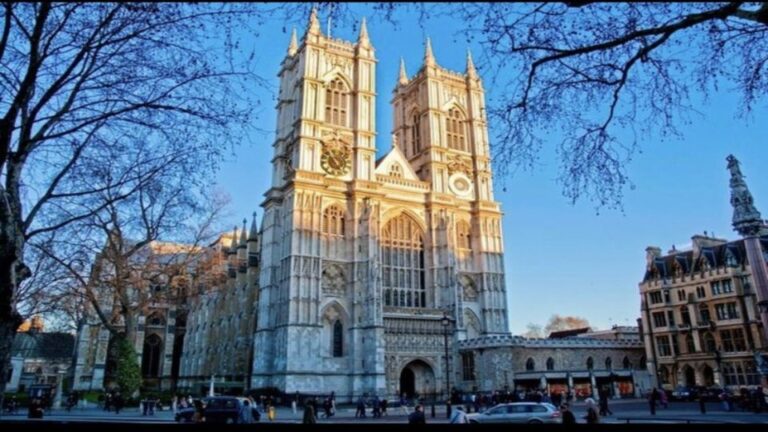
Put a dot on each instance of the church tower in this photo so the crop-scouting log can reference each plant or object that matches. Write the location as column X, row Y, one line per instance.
column 316, row 330
column 368, row 264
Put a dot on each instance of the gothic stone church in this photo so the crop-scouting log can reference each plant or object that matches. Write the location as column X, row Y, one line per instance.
column 362, row 257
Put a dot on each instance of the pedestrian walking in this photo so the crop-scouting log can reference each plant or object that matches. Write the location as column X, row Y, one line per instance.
column 360, row 413
column 245, row 416
column 309, row 415
column 118, row 402
column 174, row 404
column 604, row 410
column 459, row 416
column 327, row 407
column 375, row 407
column 35, row 409
column 417, row 416
column 653, row 396
column 702, row 406
column 295, row 402
column 199, row 415
column 567, row 414
column 271, row 412
column 592, row 416
column 384, row 404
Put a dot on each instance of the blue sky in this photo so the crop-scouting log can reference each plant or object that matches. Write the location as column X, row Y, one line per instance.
column 560, row 258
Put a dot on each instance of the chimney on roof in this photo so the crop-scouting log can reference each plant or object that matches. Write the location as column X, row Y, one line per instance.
column 672, row 251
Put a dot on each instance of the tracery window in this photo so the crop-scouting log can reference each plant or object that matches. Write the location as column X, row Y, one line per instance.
column 463, row 235
column 336, row 103
column 333, row 221
column 402, row 249
column 455, row 130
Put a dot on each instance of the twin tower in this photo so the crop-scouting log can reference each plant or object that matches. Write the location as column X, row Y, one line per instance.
column 367, row 264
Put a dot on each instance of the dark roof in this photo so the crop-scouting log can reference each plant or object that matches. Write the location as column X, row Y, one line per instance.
column 43, row 345
column 712, row 256
column 568, row 333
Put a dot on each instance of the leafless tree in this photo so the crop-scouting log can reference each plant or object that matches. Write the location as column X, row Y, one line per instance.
column 591, row 71
column 96, row 101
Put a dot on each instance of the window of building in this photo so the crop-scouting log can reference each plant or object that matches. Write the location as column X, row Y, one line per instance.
column 685, row 316
column 733, row 340
column 662, row 346
column 751, row 373
column 463, row 235
column 468, row 366
column 655, row 297
column 333, row 221
column 550, row 364
column 530, row 364
column 675, row 346
column 626, row 364
column 590, row 363
column 709, row 342
column 659, row 319
column 402, row 248
column 338, row 339
column 726, row 286
column 671, row 318
column 715, row 286
column 336, row 103
column 681, row 295
column 664, row 375
column 730, row 259
column 690, row 346
column 395, row 170
column 416, row 133
column 704, row 316
column 608, row 363
column 666, row 296
column 700, row 292
column 726, row 311
column 455, row 130
column 150, row 363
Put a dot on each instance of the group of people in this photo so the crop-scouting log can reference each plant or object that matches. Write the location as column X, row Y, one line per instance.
column 113, row 400
column 378, row 407
column 311, row 411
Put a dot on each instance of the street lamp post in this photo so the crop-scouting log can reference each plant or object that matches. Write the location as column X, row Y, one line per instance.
column 446, row 322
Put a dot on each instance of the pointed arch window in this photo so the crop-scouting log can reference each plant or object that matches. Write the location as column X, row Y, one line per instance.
column 395, row 170
column 550, row 364
column 402, row 249
column 626, row 363
column 150, row 362
column 608, row 363
column 455, row 130
column 336, row 103
column 463, row 235
column 530, row 364
column 333, row 221
column 338, row 339
column 416, row 133
column 590, row 363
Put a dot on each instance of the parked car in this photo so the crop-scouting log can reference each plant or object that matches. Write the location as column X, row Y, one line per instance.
column 682, row 393
column 518, row 412
column 218, row 409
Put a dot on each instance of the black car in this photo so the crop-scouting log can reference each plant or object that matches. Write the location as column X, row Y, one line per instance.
column 218, row 409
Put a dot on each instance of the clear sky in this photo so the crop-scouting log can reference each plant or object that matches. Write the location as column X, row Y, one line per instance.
column 559, row 258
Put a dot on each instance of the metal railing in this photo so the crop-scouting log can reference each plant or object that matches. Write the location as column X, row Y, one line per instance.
column 672, row 420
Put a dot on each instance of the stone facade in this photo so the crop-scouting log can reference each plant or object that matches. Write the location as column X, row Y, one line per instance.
column 700, row 315
column 361, row 258
column 578, row 364
column 222, row 315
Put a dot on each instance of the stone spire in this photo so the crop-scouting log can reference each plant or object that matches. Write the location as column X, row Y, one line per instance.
column 253, row 235
column 746, row 219
column 314, row 23
column 233, row 244
column 471, row 71
column 429, row 58
column 243, row 240
column 363, row 37
column 293, row 47
column 403, row 80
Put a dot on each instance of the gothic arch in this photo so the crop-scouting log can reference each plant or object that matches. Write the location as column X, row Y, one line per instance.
column 397, row 211
column 454, row 104
column 334, row 280
column 336, row 73
column 335, row 322
column 403, row 263
column 472, row 324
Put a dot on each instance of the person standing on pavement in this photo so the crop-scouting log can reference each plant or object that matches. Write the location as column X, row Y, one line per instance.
column 663, row 398
column 567, row 414
column 245, row 416
column 384, row 404
column 118, row 402
column 360, row 413
column 417, row 416
column 604, row 410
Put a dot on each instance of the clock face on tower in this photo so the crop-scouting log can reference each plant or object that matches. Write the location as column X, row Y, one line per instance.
column 460, row 185
column 335, row 161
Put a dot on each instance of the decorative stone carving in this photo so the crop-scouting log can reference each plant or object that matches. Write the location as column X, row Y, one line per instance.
column 746, row 218
column 459, row 164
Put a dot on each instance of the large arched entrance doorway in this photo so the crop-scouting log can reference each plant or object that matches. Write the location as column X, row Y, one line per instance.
column 709, row 376
column 417, row 379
